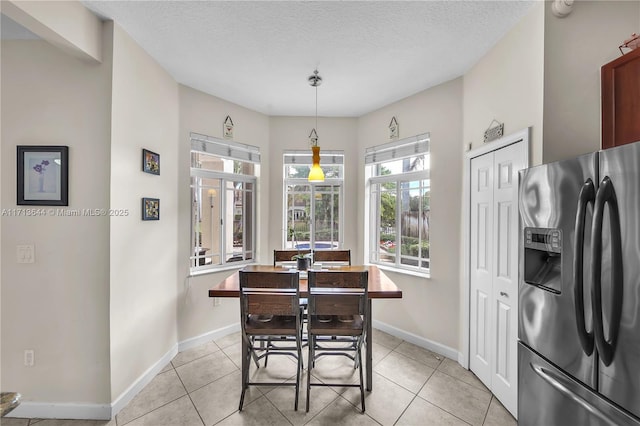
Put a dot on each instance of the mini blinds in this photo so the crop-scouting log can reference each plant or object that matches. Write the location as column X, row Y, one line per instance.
column 305, row 157
column 402, row 148
column 224, row 148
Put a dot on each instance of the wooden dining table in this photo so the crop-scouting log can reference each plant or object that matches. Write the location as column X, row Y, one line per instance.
column 379, row 287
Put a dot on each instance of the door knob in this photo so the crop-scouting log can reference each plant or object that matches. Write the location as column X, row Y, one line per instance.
column 503, row 294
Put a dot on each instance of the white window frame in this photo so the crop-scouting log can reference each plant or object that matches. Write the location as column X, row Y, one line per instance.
column 232, row 151
column 374, row 157
column 304, row 158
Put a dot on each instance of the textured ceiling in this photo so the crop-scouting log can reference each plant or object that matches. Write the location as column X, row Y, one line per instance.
column 259, row 54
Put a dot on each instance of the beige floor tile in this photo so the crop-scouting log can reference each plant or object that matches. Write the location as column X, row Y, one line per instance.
column 417, row 353
column 164, row 388
column 453, row 369
column 205, row 370
column 166, row 368
column 260, row 412
column 385, row 403
column 234, row 353
column 7, row 421
column 341, row 412
column 406, row 372
column 458, row 398
column 283, row 398
column 335, row 369
column 385, row 339
column 63, row 422
column 379, row 353
column 194, row 353
column 229, row 340
column 498, row 415
column 421, row 412
column 179, row 412
column 221, row 398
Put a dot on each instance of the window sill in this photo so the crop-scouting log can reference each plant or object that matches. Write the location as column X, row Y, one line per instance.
column 207, row 271
column 402, row 271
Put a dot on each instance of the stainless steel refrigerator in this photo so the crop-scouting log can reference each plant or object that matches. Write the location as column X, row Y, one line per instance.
column 579, row 291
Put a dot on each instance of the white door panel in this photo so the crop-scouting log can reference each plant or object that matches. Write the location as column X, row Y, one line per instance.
column 494, row 271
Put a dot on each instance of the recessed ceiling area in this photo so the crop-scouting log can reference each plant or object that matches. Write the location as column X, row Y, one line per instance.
column 258, row 54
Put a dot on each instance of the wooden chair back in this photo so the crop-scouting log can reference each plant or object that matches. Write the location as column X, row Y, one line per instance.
column 280, row 256
column 269, row 293
column 338, row 292
column 342, row 256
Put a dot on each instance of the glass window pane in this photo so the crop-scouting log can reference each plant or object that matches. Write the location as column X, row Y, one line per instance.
column 204, row 161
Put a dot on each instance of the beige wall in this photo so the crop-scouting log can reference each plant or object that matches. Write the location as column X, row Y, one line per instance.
column 507, row 85
column 291, row 133
column 202, row 113
column 575, row 48
column 144, row 254
column 59, row 305
column 430, row 307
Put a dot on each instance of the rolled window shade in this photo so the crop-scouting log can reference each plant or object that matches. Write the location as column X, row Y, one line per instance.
column 407, row 147
column 224, row 148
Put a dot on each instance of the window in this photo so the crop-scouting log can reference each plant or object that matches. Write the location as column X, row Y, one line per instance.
column 313, row 211
column 398, row 188
column 223, row 202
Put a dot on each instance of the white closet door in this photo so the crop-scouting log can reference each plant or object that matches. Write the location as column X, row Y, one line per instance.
column 504, row 380
column 494, row 271
column 481, row 268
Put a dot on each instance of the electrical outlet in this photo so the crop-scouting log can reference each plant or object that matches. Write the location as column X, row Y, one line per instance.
column 29, row 358
column 217, row 301
column 25, row 254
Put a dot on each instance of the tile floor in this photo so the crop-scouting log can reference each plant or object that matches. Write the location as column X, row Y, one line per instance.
column 201, row 387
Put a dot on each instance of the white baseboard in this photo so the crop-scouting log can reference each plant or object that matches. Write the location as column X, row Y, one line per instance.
column 207, row 337
column 105, row 411
column 417, row 340
column 142, row 381
column 44, row 410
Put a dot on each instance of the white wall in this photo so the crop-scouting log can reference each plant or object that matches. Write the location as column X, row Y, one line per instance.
column 575, row 49
column 507, row 85
column 202, row 113
column 59, row 305
column 291, row 133
column 143, row 254
column 430, row 307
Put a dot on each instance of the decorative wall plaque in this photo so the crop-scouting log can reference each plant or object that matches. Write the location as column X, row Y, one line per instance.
column 227, row 130
column 495, row 132
column 394, row 129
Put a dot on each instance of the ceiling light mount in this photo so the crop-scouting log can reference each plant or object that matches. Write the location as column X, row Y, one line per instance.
column 315, row 80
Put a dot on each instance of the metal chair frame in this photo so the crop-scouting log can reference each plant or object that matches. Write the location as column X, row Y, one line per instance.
column 274, row 294
column 336, row 294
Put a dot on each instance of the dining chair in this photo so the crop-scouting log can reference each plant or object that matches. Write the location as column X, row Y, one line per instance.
column 270, row 311
column 334, row 256
column 337, row 312
column 281, row 257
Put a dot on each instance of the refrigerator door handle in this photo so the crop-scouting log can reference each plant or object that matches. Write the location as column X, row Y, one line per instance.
column 587, row 195
column 563, row 386
column 606, row 195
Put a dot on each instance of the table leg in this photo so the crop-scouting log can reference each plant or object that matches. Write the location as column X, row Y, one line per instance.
column 369, row 343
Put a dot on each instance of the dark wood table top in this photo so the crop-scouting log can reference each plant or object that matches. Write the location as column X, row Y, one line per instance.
column 380, row 286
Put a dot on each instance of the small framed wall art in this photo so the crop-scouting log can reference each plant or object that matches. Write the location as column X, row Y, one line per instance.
column 150, row 162
column 150, row 209
column 43, row 175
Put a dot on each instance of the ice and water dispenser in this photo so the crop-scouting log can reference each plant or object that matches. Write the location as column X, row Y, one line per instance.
column 543, row 258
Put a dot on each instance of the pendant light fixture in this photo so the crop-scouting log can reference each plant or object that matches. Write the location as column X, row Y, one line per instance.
column 315, row 174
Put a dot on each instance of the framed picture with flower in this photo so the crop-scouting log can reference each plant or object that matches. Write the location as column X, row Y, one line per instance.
column 150, row 209
column 43, row 175
column 150, row 162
